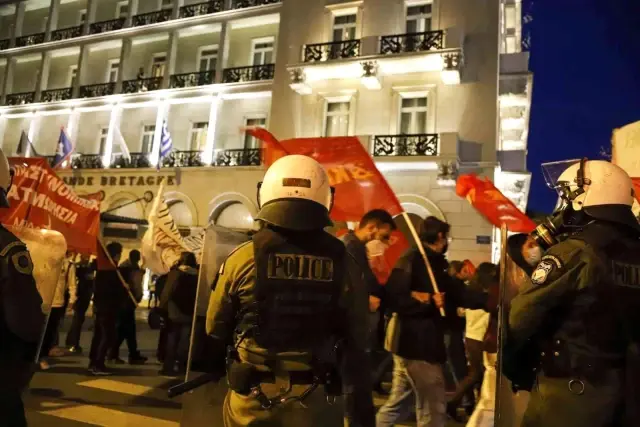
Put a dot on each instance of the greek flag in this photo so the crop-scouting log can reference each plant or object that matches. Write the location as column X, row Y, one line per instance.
column 166, row 144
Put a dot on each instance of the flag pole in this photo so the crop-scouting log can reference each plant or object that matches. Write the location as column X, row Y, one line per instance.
column 122, row 281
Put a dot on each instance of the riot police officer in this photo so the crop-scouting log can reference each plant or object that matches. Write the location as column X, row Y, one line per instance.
column 292, row 307
column 21, row 317
column 582, row 307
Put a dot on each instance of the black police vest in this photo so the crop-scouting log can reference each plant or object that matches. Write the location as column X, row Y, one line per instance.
column 298, row 284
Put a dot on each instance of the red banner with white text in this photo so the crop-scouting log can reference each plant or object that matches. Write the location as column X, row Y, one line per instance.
column 40, row 199
column 492, row 204
column 636, row 186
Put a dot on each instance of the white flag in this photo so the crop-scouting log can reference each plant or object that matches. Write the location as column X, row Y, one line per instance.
column 118, row 141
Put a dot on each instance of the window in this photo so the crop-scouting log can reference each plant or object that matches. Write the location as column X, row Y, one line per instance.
column 158, row 64
column 72, row 76
column 198, row 136
column 148, row 131
column 262, row 51
column 82, row 16
column 413, row 115
column 344, row 27
column 112, row 70
column 207, row 58
column 510, row 44
column 166, row 4
column 102, row 139
column 249, row 141
column 337, row 119
column 419, row 18
column 122, row 9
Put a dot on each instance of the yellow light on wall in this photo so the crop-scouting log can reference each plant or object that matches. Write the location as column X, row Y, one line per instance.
column 450, row 77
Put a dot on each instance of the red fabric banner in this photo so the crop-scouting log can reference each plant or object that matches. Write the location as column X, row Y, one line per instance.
column 40, row 199
column 636, row 186
column 492, row 204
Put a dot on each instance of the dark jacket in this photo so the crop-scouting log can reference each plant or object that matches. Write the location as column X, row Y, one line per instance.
column 109, row 294
column 358, row 251
column 421, row 325
column 85, row 274
column 179, row 295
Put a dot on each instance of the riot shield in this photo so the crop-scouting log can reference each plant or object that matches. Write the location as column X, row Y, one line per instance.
column 47, row 249
column 203, row 405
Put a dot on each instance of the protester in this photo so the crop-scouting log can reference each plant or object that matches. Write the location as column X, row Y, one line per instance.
column 85, row 272
column 162, row 336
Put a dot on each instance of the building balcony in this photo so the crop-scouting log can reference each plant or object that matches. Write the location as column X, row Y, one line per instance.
column 201, row 78
column 405, row 145
column 142, row 85
column 66, row 33
column 55, row 95
column 21, row 98
column 97, row 90
column 412, row 42
column 30, row 40
column 183, row 159
column 248, row 74
column 152, row 17
column 321, row 52
column 106, row 26
column 86, row 161
column 4, row 44
column 201, row 9
column 137, row 161
column 238, row 157
column 241, row 4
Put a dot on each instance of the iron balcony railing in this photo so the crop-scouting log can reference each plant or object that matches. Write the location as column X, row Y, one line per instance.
column 55, row 95
column 66, row 33
column 238, row 157
column 20, row 98
column 97, row 90
column 248, row 74
column 200, row 9
column 412, row 42
column 142, row 85
column 241, row 4
column 4, row 44
column 320, row 52
column 137, row 161
column 87, row 161
column 423, row 144
column 163, row 15
column 183, row 159
column 106, row 26
column 30, row 40
column 200, row 78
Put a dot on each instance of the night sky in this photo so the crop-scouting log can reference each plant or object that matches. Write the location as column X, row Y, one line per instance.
column 585, row 56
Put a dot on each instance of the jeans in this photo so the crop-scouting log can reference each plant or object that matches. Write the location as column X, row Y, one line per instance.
column 79, row 315
column 418, row 383
column 177, row 346
column 104, row 335
column 468, row 384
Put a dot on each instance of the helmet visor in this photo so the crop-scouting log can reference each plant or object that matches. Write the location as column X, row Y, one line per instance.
column 552, row 171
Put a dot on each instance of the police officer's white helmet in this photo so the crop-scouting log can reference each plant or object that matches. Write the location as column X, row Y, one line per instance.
column 6, row 178
column 295, row 194
column 600, row 188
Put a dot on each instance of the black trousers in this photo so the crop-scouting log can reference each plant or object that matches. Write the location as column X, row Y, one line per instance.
column 51, row 333
column 79, row 316
column 457, row 355
column 12, row 409
column 104, row 336
column 177, row 346
column 473, row 378
column 126, row 331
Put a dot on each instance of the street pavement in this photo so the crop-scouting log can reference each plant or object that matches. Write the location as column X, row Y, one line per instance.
column 135, row 396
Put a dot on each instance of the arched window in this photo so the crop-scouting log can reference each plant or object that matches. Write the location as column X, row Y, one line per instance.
column 234, row 215
column 180, row 213
column 124, row 208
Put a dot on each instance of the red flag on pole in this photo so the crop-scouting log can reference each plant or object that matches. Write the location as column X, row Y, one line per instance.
column 492, row 204
column 636, row 186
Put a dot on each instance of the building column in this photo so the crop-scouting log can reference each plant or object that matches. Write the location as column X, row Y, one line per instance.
column 92, row 5
column 18, row 20
column 52, row 22
column 114, row 123
column 171, row 59
column 7, row 80
column 133, row 11
column 161, row 115
column 223, row 50
column 43, row 75
column 72, row 126
column 83, row 59
column 34, row 126
column 3, row 127
column 177, row 4
column 210, row 144
column 125, row 52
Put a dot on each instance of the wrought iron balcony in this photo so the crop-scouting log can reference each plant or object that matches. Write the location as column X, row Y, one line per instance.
column 183, row 159
column 152, row 17
column 424, row 144
column 87, row 161
column 141, row 85
column 4, row 44
column 138, row 161
column 412, row 42
column 200, row 9
column 248, row 74
column 94, row 91
column 238, row 157
column 21, row 98
column 106, row 26
column 241, row 4
column 201, row 78
column 320, row 52
column 54, row 95
column 66, row 33
column 30, row 40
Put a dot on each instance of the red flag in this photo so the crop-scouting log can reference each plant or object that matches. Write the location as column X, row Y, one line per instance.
column 102, row 260
column 492, row 204
column 272, row 150
column 636, row 186
column 40, row 199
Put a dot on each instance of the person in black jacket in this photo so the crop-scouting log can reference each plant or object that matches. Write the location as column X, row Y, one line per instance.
column 85, row 272
column 420, row 351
